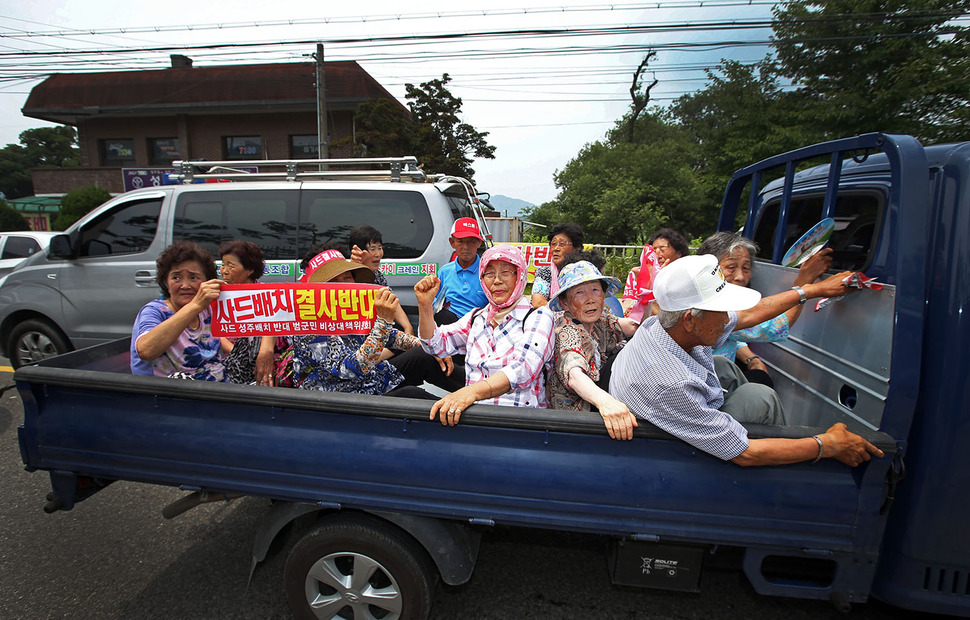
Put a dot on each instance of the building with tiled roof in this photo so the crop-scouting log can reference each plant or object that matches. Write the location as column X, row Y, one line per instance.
column 147, row 119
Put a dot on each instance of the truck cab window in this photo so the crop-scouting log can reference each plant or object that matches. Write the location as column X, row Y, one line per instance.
column 127, row 229
column 857, row 218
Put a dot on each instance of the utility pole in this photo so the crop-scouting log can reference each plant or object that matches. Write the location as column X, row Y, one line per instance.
column 323, row 138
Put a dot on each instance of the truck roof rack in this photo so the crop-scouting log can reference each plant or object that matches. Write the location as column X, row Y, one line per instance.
column 394, row 169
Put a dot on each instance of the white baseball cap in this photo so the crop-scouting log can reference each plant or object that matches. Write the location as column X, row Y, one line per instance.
column 697, row 282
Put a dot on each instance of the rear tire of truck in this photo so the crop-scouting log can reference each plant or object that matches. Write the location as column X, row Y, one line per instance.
column 358, row 568
column 35, row 340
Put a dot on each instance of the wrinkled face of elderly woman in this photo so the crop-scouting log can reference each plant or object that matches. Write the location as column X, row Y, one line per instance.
column 499, row 278
column 233, row 272
column 183, row 282
column 736, row 267
column 560, row 247
column 585, row 301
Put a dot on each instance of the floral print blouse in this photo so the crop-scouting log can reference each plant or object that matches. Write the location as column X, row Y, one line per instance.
column 576, row 347
column 350, row 363
column 771, row 330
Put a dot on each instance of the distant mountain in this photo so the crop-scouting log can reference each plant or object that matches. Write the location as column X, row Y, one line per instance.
column 508, row 207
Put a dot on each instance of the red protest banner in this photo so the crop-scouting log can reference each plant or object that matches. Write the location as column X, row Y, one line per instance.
column 244, row 310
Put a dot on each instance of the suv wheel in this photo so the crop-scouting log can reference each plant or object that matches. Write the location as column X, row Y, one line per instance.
column 35, row 340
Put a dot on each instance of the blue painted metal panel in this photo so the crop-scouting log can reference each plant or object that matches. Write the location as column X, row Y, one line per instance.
column 509, row 466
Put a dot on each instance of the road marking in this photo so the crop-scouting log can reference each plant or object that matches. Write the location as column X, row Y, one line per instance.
column 6, row 368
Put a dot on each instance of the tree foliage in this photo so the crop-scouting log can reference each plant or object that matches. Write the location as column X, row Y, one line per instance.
column 879, row 65
column 434, row 131
column 442, row 140
column 76, row 204
column 620, row 192
column 841, row 68
column 51, row 146
column 42, row 146
column 382, row 129
column 10, row 219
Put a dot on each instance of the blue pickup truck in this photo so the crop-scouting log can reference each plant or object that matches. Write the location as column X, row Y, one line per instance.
column 383, row 503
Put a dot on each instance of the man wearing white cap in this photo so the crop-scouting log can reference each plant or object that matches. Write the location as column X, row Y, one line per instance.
column 461, row 284
column 666, row 374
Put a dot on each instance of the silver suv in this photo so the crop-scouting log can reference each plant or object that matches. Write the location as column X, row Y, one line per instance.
column 90, row 284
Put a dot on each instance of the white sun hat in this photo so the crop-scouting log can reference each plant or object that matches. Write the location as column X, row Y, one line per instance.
column 697, row 282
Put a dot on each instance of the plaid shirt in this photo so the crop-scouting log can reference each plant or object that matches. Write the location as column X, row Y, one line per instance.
column 677, row 391
column 520, row 351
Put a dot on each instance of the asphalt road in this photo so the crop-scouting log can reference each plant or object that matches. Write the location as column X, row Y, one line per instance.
column 115, row 556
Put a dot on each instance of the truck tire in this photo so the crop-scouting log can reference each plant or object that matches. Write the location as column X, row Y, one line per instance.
column 35, row 340
column 358, row 567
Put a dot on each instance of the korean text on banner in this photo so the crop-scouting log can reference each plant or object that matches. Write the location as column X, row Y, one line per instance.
column 284, row 309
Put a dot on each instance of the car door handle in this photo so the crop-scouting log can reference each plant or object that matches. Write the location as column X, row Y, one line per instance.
column 144, row 278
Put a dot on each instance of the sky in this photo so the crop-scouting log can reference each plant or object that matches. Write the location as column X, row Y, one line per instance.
column 543, row 78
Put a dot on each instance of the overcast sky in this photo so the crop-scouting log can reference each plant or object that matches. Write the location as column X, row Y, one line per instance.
column 540, row 97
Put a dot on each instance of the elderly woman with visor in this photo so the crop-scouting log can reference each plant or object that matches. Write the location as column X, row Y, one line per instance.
column 506, row 344
column 587, row 339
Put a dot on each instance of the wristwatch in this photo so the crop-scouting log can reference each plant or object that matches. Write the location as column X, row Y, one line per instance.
column 801, row 295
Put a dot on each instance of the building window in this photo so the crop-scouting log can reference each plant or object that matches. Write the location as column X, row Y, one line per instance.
column 163, row 150
column 117, row 151
column 244, row 147
column 304, row 147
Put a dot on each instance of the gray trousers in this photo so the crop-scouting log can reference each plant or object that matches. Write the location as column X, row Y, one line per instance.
column 745, row 401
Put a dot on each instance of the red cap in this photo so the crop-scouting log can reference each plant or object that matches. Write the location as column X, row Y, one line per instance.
column 466, row 227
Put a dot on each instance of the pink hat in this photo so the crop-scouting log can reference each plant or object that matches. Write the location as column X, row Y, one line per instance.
column 512, row 255
column 330, row 263
column 466, row 227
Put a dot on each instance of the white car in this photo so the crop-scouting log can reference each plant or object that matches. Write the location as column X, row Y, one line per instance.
column 15, row 246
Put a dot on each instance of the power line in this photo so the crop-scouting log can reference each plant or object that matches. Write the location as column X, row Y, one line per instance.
column 662, row 5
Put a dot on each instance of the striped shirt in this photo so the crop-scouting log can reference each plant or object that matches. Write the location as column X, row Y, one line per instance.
column 677, row 391
column 520, row 351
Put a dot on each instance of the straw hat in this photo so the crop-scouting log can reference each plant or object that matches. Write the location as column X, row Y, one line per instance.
column 329, row 264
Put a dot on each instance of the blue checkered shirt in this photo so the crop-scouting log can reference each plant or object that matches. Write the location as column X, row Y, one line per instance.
column 677, row 391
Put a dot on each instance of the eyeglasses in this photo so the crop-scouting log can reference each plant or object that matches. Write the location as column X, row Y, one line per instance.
column 505, row 275
column 560, row 244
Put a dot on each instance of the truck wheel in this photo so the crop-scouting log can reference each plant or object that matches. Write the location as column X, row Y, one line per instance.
column 35, row 340
column 358, row 568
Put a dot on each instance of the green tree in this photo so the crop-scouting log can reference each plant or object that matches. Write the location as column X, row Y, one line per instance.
column 441, row 140
column 15, row 181
column 42, row 146
column 620, row 192
column 879, row 65
column 10, row 219
column 51, row 146
column 74, row 205
column 382, row 129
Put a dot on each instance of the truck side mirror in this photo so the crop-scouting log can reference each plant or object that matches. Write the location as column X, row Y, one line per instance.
column 61, row 247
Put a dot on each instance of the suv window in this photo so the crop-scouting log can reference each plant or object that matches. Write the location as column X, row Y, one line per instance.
column 267, row 218
column 402, row 217
column 460, row 207
column 857, row 217
column 19, row 247
column 128, row 229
